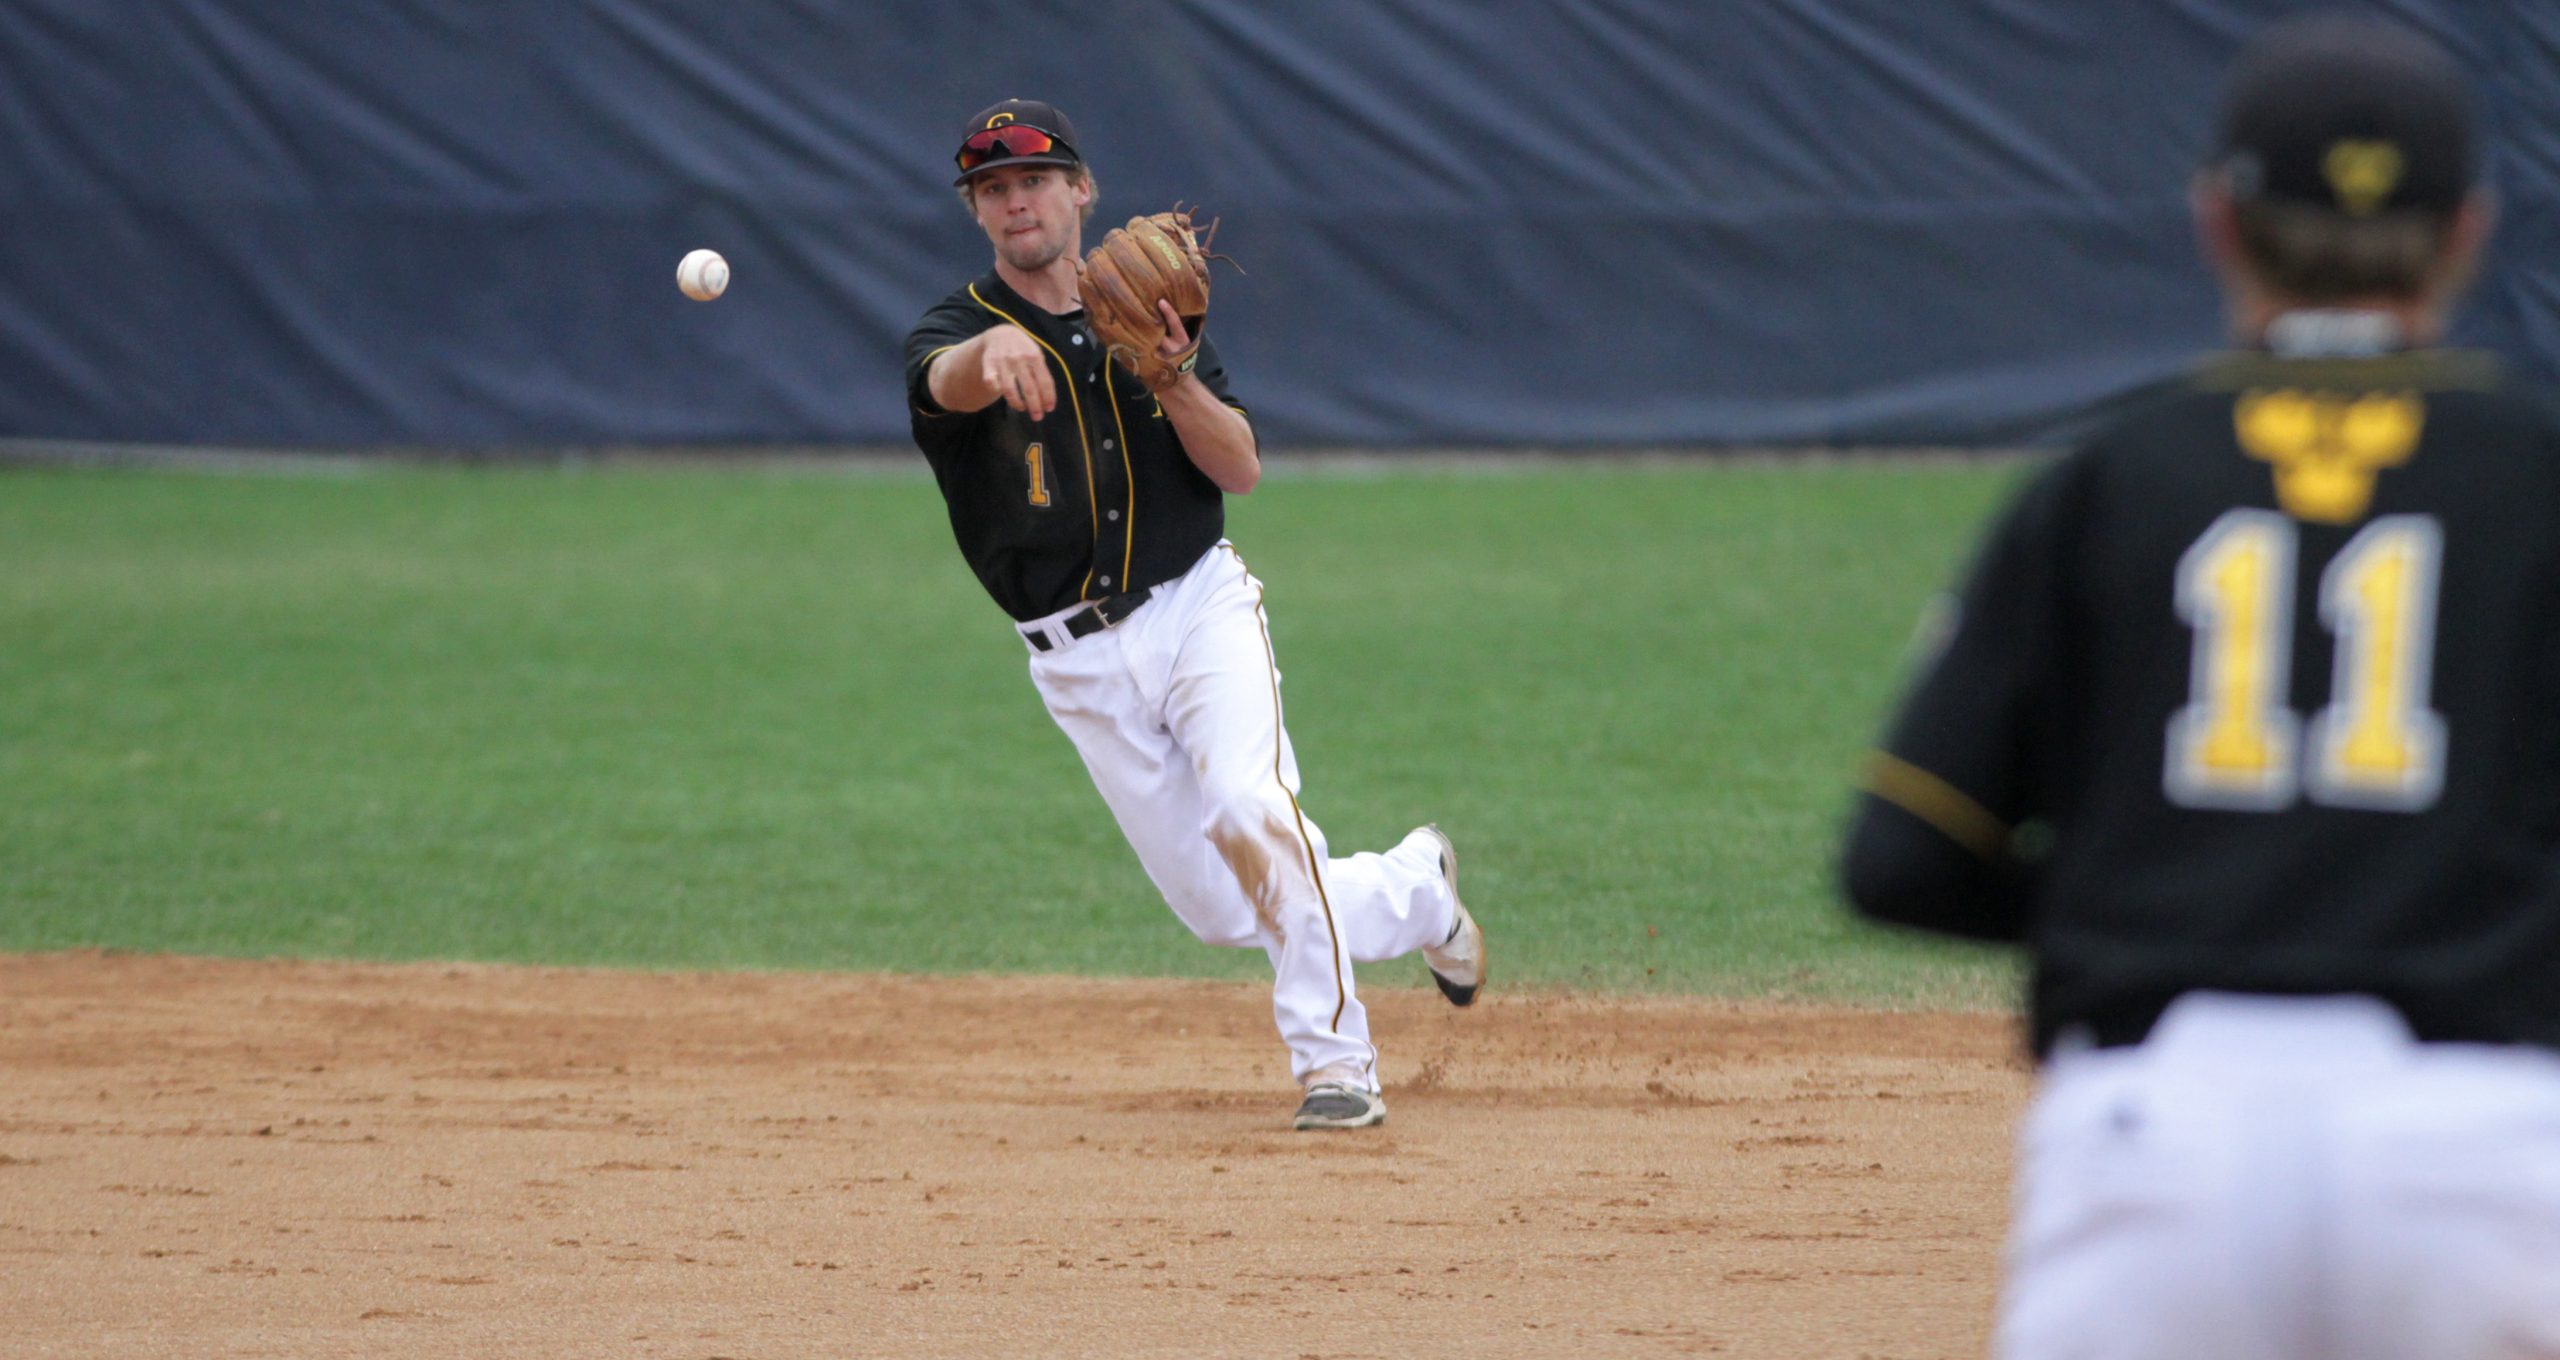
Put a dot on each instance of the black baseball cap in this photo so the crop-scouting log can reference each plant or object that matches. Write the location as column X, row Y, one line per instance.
column 2353, row 114
column 979, row 150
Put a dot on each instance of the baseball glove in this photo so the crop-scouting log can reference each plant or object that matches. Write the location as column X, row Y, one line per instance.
column 1153, row 258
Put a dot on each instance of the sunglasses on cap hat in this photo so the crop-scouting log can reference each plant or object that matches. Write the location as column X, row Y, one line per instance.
column 1011, row 139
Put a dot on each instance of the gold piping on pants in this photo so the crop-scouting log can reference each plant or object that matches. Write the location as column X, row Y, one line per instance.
column 1315, row 870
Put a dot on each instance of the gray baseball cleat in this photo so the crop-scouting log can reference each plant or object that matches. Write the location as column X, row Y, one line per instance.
column 1339, row 1105
column 1457, row 963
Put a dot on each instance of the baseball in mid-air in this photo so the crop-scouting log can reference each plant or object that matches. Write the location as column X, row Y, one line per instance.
column 703, row 275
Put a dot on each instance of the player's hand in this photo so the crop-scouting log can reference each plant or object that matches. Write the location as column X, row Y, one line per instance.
column 1011, row 363
column 1177, row 337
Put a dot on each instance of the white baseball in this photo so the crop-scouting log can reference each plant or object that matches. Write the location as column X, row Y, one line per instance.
column 703, row 275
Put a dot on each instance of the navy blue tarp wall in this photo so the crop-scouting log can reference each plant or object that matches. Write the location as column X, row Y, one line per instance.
column 455, row 222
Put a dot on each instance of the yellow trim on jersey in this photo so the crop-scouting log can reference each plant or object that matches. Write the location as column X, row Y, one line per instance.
column 1935, row 801
column 1129, row 530
column 1066, row 379
column 2428, row 370
column 929, row 356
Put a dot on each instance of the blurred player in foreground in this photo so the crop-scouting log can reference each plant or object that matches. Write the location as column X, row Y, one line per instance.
column 2247, row 726
column 1089, row 503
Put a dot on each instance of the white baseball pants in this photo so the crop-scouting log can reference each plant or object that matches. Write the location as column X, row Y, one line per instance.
column 1177, row 714
column 2288, row 1177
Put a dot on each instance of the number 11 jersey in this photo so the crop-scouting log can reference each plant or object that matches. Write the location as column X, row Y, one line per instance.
column 2258, row 690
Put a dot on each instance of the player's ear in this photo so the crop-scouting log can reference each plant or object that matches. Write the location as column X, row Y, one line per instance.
column 2458, row 259
column 2218, row 240
column 2473, row 223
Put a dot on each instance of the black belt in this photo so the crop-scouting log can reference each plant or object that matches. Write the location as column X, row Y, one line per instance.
column 1093, row 618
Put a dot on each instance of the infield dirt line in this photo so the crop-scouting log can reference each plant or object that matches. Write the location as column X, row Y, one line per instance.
column 228, row 1158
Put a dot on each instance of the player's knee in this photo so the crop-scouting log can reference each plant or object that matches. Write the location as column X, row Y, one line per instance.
column 1244, row 812
column 1251, row 832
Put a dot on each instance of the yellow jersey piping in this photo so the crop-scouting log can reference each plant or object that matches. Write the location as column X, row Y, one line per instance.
column 1066, row 379
column 1129, row 476
column 929, row 356
column 1935, row 801
column 2427, row 370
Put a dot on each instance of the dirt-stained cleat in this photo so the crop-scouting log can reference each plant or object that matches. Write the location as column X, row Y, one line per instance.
column 1457, row 963
column 1338, row 1105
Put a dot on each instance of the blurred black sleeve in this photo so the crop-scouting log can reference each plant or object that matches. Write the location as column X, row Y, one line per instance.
column 1931, row 842
column 1901, row 870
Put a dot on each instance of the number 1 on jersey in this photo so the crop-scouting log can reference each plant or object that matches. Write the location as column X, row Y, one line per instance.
column 2233, row 745
column 1039, row 475
column 2236, row 745
column 2377, row 744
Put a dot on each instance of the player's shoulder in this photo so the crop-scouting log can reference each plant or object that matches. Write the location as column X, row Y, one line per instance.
column 2196, row 407
column 2478, row 387
column 2425, row 371
column 966, row 309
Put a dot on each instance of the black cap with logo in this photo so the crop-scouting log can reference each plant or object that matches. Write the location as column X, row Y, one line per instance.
column 2352, row 114
column 1016, row 132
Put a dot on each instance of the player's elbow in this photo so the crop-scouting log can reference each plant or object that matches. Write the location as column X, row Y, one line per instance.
column 1897, row 871
column 1888, row 892
column 1240, row 467
column 1877, row 887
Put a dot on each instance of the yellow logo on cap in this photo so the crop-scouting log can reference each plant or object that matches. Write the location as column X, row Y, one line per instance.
column 2327, row 447
column 999, row 120
column 2361, row 174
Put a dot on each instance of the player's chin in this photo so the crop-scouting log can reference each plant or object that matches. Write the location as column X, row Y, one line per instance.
column 1032, row 253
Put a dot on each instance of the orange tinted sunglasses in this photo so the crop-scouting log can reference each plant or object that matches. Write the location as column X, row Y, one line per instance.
column 1013, row 139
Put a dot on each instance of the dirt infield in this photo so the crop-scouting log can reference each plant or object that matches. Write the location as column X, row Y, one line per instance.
column 230, row 1159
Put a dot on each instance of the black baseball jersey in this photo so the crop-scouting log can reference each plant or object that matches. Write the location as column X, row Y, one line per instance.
column 2258, row 690
column 1096, row 500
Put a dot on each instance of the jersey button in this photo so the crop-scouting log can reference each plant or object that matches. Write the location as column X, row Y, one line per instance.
column 1106, row 446
column 1106, row 580
column 1114, row 517
column 1075, row 339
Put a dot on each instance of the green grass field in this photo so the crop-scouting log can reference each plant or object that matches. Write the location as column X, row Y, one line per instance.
column 703, row 718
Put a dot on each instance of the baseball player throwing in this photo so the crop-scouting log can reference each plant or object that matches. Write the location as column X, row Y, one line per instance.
column 1086, row 493
column 2268, row 667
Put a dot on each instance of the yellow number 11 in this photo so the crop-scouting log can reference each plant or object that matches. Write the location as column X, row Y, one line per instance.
column 2235, row 745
